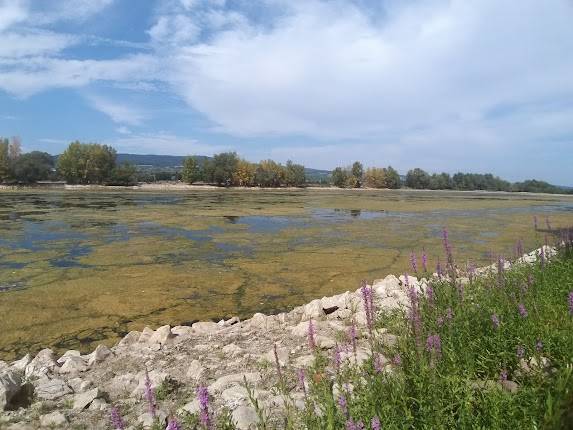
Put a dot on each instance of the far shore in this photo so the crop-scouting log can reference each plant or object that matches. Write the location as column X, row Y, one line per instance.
column 179, row 186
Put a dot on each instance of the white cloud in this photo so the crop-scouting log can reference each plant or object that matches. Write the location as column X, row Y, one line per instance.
column 118, row 112
column 68, row 10
column 33, row 43
column 12, row 12
column 174, row 29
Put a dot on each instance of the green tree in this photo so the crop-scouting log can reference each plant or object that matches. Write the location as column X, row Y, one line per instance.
column 33, row 167
column 294, row 174
column 418, row 178
column 4, row 160
column 441, row 181
column 191, row 171
column 357, row 172
column 375, row 178
column 339, row 177
column 125, row 175
column 269, row 174
column 87, row 163
column 245, row 173
column 393, row 180
column 221, row 169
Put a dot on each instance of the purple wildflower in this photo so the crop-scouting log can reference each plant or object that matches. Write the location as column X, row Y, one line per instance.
column 430, row 295
column 439, row 269
column 520, row 351
column 173, row 425
column 397, row 360
column 571, row 303
column 337, row 359
column 495, row 321
column 522, row 310
column 351, row 425
column 434, row 344
column 150, row 396
column 116, row 419
column 311, row 335
column 440, row 321
column 449, row 314
column 300, row 376
column 342, row 404
column 368, row 301
column 204, row 414
column 424, row 261
column 503, row 375
column 375, row 424
column 448, row 249
column 413, row 262
column 539, row 345
column 414, row 315
column 378, row 364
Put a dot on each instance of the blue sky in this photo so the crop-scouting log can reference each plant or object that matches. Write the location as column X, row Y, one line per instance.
column 447, row 85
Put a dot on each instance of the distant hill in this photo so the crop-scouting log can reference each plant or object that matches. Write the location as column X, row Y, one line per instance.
column 170, row 162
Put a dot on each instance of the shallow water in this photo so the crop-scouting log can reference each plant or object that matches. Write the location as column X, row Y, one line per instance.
column 77, row 267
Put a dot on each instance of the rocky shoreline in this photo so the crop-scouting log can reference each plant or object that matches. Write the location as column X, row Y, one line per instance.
column 77, row 391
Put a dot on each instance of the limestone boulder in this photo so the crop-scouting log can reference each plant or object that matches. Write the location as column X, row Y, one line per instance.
column 54, row 419
column 42, row 364
column 51, row 389
column 10, row 385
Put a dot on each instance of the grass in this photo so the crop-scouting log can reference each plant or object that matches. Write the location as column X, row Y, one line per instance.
column 487, row 352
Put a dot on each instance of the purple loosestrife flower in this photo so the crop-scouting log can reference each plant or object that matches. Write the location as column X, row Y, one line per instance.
column 430, row 295
column 424, row 261
column 351, row 425
column 503, row 375
column 337, row 359
column 448, row 249
column 204, row 414
column 440, row 321
column 571, row 303
column 116, row 419
column 495, row 321
column 522, row 310
column 311, row 335
column 375, row 424
column 434, row 344
column 439, row 269
column 300, row 376
column 414, row 262
column 150, row 396
column 173, row 425
column 414, row 315
column 397, row 360
column 378, row 364
column 520, row 351
column 449, row 314
column 342, row 404
column 368, row 301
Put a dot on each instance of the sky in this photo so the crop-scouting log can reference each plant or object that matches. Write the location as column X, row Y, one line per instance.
column 446, row 85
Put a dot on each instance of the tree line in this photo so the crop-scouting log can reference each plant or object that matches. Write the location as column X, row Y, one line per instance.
column 229, row 169
column 92, row 163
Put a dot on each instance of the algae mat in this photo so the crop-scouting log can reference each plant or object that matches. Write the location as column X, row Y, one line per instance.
column 83, row 267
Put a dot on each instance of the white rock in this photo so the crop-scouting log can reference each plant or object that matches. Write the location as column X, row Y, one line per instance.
column 145, row 335
column 100, row 354
column 245, row 418
column 205, row 327
column 195, row 371
column 161, row 336
column 282, row 353
column 98, row 405
column 42, row 364
column 67, row 354
column 53, row 419
column 234, row 379
column 83, row 400
column 156, row 377
column 74, row 364
column 20, row 365
column 182, row 330
column 10, row 383
column 129, row 339
column 233, row 350
column 304, row 361
column 51, row 389
column 147, row 421
column 312, row 310
column 192, row 407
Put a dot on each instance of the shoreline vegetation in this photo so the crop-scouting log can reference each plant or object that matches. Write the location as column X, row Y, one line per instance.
column 95, row 164
column 460, row 347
